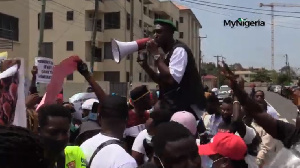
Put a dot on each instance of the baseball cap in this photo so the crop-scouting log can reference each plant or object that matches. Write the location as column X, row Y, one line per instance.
column 88, row 104
column 226, row 144
column 187, row 119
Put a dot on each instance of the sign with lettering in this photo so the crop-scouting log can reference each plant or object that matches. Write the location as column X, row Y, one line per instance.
column 45, row 68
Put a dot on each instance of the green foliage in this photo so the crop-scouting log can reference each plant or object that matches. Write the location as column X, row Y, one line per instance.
column 262, row 76
column 284, row 79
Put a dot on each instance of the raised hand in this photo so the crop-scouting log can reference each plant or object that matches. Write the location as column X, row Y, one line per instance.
column 34, row 70
column 82, row 68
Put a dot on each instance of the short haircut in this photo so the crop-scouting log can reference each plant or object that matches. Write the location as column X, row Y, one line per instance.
column 53, row 110
column 212, row 99
column 161, row 116
column 228, row 100
column 20, row 147
column 114, row 107
column 261, row 92
column 168, row 132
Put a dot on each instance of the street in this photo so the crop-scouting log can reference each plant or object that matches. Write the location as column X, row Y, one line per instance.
column 287, row 111
column 285, row 108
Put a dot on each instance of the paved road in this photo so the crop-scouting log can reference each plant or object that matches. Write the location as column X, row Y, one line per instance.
column 287, row 111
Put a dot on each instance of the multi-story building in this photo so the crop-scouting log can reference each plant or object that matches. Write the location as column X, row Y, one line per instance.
column 68, row 31
column 190, row 34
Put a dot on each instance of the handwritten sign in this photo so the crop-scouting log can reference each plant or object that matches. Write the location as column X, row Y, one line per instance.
column 45, row 68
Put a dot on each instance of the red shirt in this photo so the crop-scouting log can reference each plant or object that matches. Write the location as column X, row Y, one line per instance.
column 134, row 119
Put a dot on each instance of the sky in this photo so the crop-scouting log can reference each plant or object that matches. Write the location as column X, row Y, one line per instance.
column 248, row 46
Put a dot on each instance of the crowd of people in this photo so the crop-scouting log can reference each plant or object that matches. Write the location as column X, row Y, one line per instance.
column 171, row 127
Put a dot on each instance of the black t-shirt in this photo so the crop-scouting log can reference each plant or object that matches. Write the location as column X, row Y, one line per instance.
column 288, row 134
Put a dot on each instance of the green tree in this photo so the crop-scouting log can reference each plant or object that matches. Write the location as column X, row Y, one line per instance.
column 274, row 76
column 284, row 79
column 262, row 76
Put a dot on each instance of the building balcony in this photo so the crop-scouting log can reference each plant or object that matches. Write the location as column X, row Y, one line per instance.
column 91, row 5
column 148, row 20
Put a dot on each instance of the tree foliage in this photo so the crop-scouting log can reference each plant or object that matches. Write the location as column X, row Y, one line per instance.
column 284, row 79
column 262, row 76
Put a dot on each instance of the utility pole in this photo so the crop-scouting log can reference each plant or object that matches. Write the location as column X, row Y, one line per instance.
column 200, row 53
column 287, row 64
column 217, row 67
column 131, row 38
column 42, row 24
column 272, row 25
column 94, row 34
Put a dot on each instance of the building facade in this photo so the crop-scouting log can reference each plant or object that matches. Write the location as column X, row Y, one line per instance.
column 190, row 34
column 68, row 31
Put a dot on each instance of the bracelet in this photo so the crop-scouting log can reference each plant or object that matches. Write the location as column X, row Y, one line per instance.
column 236, row 102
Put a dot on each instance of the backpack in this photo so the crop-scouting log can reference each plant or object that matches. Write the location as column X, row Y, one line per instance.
column 101, row 146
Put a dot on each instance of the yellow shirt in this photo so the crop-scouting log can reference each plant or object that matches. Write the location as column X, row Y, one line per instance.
column 74, row 157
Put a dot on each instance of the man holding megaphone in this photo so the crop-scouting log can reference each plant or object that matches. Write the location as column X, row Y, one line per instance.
column 178, row 77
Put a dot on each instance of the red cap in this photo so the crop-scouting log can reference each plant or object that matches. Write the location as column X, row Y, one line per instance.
column 226, row 144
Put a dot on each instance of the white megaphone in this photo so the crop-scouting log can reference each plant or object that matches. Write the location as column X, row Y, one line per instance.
column 122, row 49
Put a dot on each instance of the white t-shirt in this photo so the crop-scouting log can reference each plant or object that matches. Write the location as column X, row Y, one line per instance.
column 111, row 156
column 272, row 112
column 138, row 144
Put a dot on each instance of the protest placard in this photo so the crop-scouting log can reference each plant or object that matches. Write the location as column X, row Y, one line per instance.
column 12, row 94
column 45, row 68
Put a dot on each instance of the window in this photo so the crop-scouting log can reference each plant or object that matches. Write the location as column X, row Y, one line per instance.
column 181, row 35
column 127, row 77
column 70, row 77
column 128, row 21
column 47, row 50
column 69, row 45
column 99, row 25
column 48, row 20
column 112, row 20
column 98, row 55
column 107, row 50
column 140, row 23
column 246, row 75
column 9, row 27
column 145, row 10
column 181, row 19
column 70, row 15
column 140, row 76
column 112, row 76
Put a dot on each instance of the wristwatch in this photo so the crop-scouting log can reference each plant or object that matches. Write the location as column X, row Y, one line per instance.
column 156, row 57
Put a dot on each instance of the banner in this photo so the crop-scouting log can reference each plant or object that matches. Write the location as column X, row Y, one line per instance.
column 60, row 72
column 12, row 95
column 3, row 56
column 78, row 99
column 45, row 68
